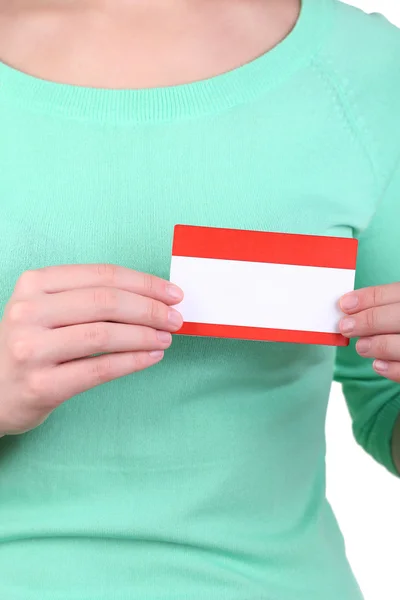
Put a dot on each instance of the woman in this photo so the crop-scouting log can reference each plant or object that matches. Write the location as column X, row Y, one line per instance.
column 202, row 477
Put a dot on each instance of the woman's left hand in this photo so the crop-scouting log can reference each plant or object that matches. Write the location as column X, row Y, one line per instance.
column 373, row 315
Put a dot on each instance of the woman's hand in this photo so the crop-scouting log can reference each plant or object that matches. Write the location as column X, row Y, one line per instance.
column 374, row 317
column 59, row 317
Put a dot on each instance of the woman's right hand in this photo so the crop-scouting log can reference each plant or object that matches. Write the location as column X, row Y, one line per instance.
column 59, row 317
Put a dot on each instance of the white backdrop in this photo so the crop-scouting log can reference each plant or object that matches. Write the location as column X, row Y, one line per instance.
column 365, row 498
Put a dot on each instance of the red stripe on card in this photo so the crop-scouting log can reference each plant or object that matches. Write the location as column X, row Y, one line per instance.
column 263, row 335
column 259, row 246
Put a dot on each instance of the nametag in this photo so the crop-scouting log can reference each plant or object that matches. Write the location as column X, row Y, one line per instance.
column 263, row 286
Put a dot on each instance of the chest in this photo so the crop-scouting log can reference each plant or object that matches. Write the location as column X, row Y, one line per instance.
column 83, row 192
column 75, row 192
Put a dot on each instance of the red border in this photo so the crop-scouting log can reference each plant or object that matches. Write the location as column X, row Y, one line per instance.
column 258, row 246
column 262, row 334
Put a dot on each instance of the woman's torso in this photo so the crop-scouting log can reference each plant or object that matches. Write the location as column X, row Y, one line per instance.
column 205, row 475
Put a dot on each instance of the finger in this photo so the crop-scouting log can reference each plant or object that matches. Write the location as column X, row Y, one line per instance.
column 103, row 304
column 69, row 343
column 389, row 370
column 52, row 280
column 369, row 297
column 373, row 321
column 384, row 347
column 72, row 378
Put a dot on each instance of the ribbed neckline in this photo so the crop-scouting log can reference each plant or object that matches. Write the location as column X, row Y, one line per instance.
column 204, row 97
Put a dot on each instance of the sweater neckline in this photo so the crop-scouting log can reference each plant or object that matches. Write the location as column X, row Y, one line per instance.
column 205, row 97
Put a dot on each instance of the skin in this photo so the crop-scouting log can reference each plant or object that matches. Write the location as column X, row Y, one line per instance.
column 373, row 315
column 168, row 42
column 59, row 317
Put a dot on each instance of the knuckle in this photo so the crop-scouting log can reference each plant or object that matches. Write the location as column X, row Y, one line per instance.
column 153, row 311
column 98, row 337
column 148, row 338
column 148, row 283
column 30, row 281
column 21, row 350
column 102, row 370
column 37, row 386
column 377, row 295
column 20, row 312
column 382, row 347
column 371, row 318
column 139, row 362
column 105, row 301
column 107, row 273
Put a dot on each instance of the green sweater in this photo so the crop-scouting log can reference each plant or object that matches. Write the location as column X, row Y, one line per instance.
column 203, row 477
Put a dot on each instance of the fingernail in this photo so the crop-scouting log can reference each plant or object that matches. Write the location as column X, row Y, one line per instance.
column 363, row 346
column 164, row 337
column 347, row 325
column 381, row 365
column 156, row 354
column 174, row 292
column 349, row 301
column 174, row 318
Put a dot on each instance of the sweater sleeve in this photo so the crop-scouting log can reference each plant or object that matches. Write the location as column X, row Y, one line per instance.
column 373, row 401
